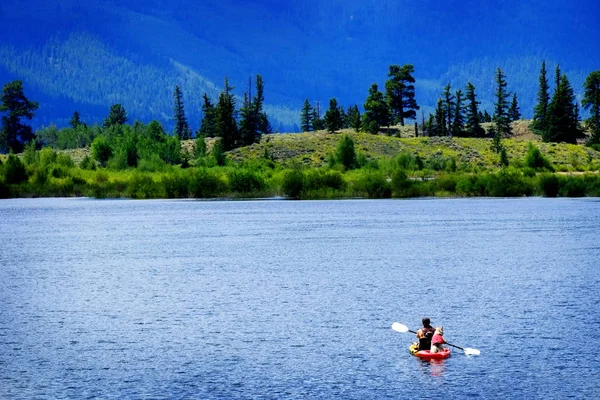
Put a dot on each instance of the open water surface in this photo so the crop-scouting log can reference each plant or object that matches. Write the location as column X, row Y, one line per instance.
column 289, row 299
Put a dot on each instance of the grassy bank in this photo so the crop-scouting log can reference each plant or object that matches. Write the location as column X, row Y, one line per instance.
column 309, row 166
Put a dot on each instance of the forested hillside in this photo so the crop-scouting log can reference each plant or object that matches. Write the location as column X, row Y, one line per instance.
column 84, row 55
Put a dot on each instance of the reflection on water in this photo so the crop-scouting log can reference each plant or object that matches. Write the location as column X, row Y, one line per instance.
column 277, row 299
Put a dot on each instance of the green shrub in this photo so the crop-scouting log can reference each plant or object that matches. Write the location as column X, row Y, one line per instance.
column 152, row 164
column 64, row 160
column 400, row 183
column 572, row 186
column 30, row 156
column 549, row 185
column 508, row 183
column 176, row 185
column 39, row 176
column 318, row 179
column 14, row 170
column 47, row 156
column 536, row 160
column 58, row 171
column 101, row 150
column 142, row 186
column 205, row 183
column 242, row 180
column 293, row 183
column 446, row 182
column 436, row 162
column 87, row 163
column 471, row 185
column 407, row 162
column 374, row 184
column 345, row 153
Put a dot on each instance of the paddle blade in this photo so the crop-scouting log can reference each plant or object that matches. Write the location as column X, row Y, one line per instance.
column 398, row 327
column 472, row 352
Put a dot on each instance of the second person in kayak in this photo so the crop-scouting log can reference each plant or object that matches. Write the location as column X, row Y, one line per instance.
column 424, row 334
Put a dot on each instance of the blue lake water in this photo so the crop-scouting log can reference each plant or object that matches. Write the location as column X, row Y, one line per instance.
column 289, row 299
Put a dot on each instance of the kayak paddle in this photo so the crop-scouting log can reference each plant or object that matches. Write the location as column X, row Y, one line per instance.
column 398, row 327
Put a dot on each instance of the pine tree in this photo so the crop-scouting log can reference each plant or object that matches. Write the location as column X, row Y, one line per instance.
column 562, row 121
column 540, row 123
column 333, row 117
column 513, row 111
column 501, row 120
column 182, row 130
column 306, row 117
column 225, row 119
column 449, row 106
column 254, row 122
column 353, row 118
column 116, row 117
column 474, row 116
column 75, row 120
column 14, row 135
column 208, row 124
column 439, row 127
column 264, row 126
column 486, row 116
column 591, row 102
column 400, row 93
column 458, row 124
column 248, row 124
column 377, row 112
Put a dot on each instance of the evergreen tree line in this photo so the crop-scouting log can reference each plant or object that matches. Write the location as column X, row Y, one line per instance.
column 556, row 119
column 380, row 110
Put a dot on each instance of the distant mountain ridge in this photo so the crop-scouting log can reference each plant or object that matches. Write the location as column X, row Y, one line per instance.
column 86, row 56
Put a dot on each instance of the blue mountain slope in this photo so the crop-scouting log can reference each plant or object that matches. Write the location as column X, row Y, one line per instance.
column 87, row 55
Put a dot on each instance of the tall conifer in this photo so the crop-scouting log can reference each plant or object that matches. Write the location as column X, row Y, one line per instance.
column 540, row 112
column 182, row 130
column 306, row 117
column 501, row 119
column 473, row 118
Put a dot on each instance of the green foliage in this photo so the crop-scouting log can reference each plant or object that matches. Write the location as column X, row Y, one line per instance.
column 116, row 116
column 591, row 102
column 170, row 150
column 513, row 112
column 549, row 185
column 373, row 184
column 87, row 163
column 400, row 93
column 152, row 164
column 563, row 124
column 206, row 183
column 176, row 184
column 306, row 116
column 225, row 124
column 245, row 181
column 293, row 183
column 400, row 183
column 473, row 120
column 536, row 160
column 101, row 150
column 14, row 170
column 501, row 117
column 377, row 112
column 14, row 134
column 540, row 114
column 409, row 162
column 218, row 154
column 142, row 186
column 333, row 117
column 345, row 153
column 30, row 156
column 182, row 130
column 321, row 179
column 509, row 182
column 353, row 118
column 503, row 157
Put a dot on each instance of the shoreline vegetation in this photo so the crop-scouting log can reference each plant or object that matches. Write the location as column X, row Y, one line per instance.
column 319, row 165
column 459, row 151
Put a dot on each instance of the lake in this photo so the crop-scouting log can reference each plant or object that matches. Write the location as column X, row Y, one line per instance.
column 287, row 299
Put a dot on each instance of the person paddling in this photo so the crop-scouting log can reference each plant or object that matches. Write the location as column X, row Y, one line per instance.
column 425, row 334
column 437, row 340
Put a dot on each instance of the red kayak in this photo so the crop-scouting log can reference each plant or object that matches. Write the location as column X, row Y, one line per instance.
column 427, row 355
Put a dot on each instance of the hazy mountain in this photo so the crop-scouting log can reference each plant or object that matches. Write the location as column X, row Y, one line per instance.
column 88, row 55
